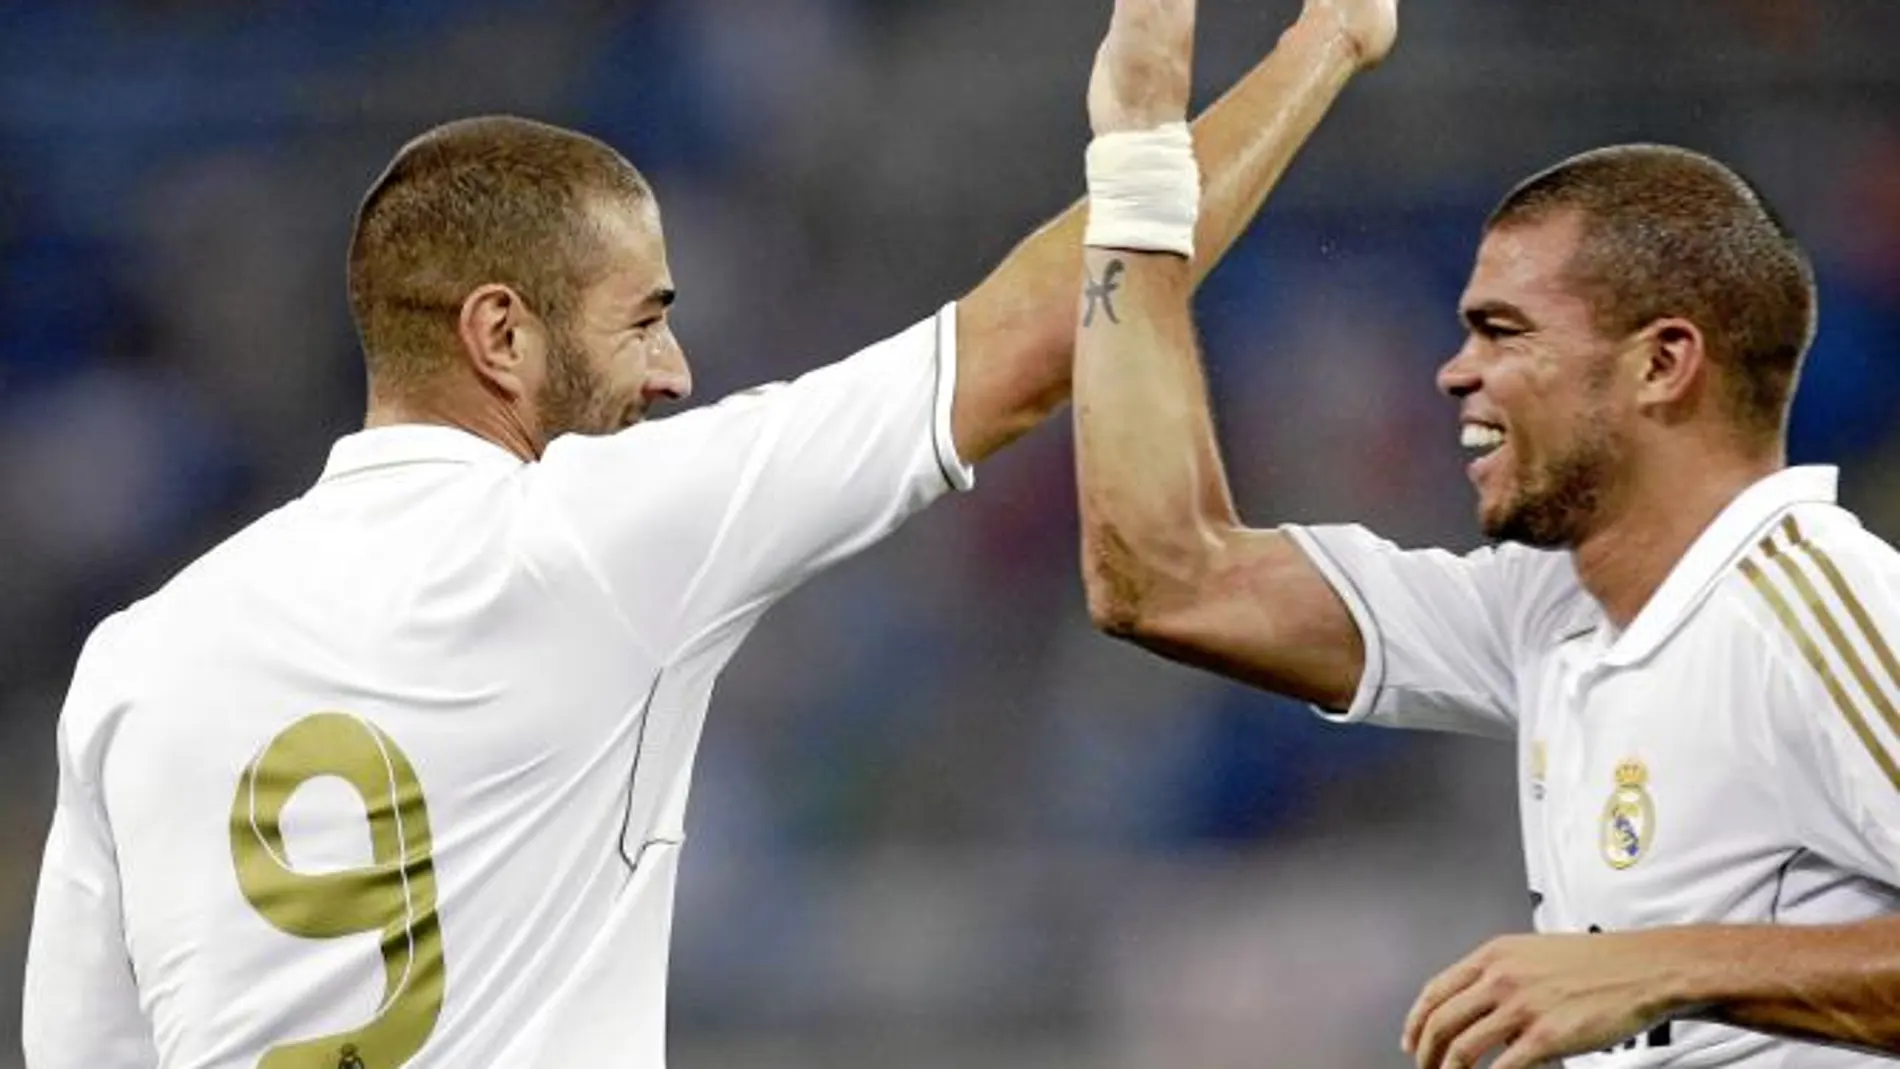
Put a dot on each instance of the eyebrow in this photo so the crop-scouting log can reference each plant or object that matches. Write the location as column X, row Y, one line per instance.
column 1476, row 315
column 663, row 296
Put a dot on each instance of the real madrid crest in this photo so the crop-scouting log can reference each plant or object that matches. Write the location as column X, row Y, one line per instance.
column 1629, row 820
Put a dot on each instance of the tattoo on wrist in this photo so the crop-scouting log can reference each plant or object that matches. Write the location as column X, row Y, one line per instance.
column 1103, row 292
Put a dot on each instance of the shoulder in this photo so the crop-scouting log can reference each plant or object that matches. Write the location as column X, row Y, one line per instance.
column 261, row 549
column 1818, row 596
column 1544, row 577
column 120, row 648
column 728, row 424
column 1531, row 595
column 1822, row 594
column 106, row 675
column 1816, row 571
column 1542, row 598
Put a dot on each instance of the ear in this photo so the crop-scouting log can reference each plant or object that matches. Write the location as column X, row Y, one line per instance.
column 1675, row 362
column 501, row 339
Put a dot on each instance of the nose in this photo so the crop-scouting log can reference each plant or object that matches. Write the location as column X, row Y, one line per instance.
column 1458, row 377
column 669, row 378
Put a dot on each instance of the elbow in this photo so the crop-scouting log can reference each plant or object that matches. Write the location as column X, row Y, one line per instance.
column 1132, row 591
column 1116, row 604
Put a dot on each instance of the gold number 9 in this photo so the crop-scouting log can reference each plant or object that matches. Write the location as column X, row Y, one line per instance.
column 394, row 894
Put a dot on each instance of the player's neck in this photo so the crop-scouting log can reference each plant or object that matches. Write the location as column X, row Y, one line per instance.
column 480, row 414
column 1651, row 526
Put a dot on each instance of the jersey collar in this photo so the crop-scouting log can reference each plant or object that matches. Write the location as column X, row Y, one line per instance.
column 408, row 443
column 1735, row 530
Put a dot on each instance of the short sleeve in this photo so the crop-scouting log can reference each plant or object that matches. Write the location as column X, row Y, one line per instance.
column 698, row 521
column 81, row 1004
column 1835, row 703
column 1443, row 632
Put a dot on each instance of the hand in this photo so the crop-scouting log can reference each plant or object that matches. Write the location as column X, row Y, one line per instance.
column 1371, row 26
column 1144, row 69
column 1536, row 998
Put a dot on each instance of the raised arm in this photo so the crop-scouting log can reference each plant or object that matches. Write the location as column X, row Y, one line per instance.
column 1016, row 329
column 1167, row 562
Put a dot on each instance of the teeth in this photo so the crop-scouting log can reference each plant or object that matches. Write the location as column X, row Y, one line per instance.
column 1479, row 436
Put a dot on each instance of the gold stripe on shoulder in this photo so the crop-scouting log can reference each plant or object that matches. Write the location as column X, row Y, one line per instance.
column 1876, row 640
column 1824, row 613
column 1812, row 654
column 1831, row 626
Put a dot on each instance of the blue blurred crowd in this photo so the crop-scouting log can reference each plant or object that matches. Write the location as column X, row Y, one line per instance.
column 921, row 765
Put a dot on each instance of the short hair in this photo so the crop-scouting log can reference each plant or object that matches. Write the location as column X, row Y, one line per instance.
column 1669, row 232
column 494, row 199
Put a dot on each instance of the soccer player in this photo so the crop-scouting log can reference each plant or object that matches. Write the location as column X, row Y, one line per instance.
column 397, row 775
column 1692, row 645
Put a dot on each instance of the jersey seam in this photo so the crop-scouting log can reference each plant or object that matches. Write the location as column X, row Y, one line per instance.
column 1781, row 884
column 633, row 775
column 652, row 841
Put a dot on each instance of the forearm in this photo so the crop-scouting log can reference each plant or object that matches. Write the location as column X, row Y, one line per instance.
column 1154, row 497
column 1835, row 984
column 1017, row 328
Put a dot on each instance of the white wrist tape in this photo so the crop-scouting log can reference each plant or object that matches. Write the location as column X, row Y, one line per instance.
column 1144, row 190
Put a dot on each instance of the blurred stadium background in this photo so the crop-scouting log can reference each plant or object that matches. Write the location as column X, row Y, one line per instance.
column 938, row 822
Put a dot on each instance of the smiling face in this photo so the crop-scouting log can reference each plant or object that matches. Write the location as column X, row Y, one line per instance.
column 615, row 355
column 1540, row 409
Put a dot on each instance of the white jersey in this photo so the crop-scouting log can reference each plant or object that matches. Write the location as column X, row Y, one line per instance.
column 1729, row 758
column 396, row 776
